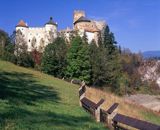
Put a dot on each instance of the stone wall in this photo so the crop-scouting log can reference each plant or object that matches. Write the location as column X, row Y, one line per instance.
column 77, row 14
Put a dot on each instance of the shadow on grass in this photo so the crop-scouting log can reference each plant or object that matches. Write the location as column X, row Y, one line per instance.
column 19, row 90
column 49, row 120
column 22, row 88
column 64, row 120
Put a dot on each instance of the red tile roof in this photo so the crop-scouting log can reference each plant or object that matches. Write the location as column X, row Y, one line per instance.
column 22, row 24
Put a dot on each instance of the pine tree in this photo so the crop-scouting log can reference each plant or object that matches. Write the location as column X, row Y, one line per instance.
column 112, row 63
column 78, row 65
column 94, row 53
column 98, row 64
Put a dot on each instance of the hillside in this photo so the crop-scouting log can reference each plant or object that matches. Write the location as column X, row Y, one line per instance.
column 32, row 100
column 150, row 71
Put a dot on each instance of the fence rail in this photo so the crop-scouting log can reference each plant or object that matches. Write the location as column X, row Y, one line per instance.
column 133, row 122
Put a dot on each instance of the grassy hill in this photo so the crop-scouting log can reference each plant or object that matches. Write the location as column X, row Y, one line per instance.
column 32, row 100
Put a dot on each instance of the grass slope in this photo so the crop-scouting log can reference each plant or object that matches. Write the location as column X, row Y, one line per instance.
column 32, row 100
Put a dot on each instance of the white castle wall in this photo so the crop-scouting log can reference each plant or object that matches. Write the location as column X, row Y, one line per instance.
column 49, row 31
column 38, row 33
column 90, row 36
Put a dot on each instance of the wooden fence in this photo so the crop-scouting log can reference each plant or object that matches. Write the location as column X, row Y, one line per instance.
column 110, row 116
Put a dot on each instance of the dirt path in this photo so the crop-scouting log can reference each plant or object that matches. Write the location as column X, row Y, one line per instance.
column 148, row 101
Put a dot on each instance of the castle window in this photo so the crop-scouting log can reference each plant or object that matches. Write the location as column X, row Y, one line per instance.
column 29, row 40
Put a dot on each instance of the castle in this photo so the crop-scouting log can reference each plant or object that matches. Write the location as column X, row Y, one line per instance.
column 42, row 36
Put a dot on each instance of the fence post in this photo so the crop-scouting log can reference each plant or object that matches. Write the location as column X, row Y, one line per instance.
column 82, row 91
column 111, row 112
column 115, row 125
column 97, row 111
column 97, row 114
column 110, row 116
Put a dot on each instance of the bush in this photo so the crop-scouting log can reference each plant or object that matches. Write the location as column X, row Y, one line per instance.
column 25, row 59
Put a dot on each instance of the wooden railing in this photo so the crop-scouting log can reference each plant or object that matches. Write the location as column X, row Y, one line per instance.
column 110, row 116
column 132, row 122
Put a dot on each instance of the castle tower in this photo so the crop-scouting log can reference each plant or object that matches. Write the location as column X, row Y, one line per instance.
column 78, row 14
column 51, row 25
column 51, row 28
column 22, row 26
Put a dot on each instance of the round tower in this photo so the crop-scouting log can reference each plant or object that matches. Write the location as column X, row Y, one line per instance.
column 22, row 26
column 51, row 27
column 22, row 29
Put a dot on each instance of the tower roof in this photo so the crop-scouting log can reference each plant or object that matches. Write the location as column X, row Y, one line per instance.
column 82, row 19
column 22, row 24
column 51, row 22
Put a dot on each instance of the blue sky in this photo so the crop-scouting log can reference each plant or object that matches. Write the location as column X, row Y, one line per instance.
column 135, row 23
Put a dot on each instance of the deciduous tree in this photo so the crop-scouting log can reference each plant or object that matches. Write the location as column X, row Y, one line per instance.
column 54, row 58
column 78, row 65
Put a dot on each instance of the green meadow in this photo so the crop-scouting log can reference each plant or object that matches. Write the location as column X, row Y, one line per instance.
column 31, row 100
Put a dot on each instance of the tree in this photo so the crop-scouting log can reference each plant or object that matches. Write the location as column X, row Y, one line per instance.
column 4, row 38
column 97, row 61
column 9, row 53
column 119, row 48
column 23, row 57
column 37, row 56
column 54, row 58
column 73, row 35
column 78, row 65
column 112, row 64
column 130, row 64
column 6, row 47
